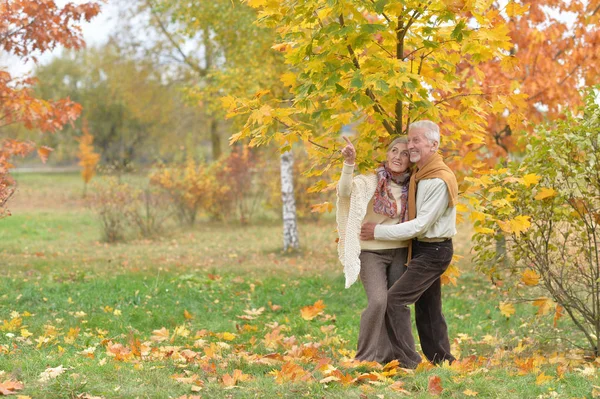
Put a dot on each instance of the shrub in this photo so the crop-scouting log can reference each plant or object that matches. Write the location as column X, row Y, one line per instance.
column 189, row 187
column 112, row 201
column 547, row 207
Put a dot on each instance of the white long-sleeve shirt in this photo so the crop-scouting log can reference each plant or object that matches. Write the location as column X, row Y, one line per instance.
column 345, row 190
column 435, row 220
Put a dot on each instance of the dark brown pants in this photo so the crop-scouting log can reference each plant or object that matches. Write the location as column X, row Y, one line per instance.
column 378, row 272
column 420, row 284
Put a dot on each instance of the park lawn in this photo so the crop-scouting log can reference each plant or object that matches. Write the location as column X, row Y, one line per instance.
column 177, row 315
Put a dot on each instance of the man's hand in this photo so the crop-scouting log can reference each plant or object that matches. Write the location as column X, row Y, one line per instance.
column 367, row 231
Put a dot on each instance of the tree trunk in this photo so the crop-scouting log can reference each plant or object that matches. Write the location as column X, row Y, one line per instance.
column 290, row 228
column 215, row 139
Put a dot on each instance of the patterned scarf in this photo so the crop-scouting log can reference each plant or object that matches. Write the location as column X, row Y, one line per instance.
column 385, row 203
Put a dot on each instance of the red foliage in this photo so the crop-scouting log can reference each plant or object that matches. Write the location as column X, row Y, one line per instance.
column 30, row 28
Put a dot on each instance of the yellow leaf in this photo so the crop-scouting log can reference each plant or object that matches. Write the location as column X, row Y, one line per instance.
column 187, row 315
column 322, row 208
column 507, row 309
column 484, row 230
column 544, row 305
column 450, row 275
column 530, row 277
column 227, row 336
column 256, row 3
column 543, row 378
column 288, row 79
column 530, row 179
column 515, row 9
column 545, row 192
column 469, row 392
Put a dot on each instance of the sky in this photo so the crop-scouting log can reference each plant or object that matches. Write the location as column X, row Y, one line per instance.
column 94, row 33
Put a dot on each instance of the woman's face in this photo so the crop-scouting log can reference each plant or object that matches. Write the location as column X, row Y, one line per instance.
column 398, row 159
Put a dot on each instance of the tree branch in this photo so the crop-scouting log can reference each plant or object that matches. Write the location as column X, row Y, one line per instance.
column 201, row 71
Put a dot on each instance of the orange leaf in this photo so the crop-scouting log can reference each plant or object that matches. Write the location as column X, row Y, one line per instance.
column 310, row 312
column 9, row 387
column 530, row 277
column 187, row 315
column 544, row 305
column 434, row 387
column 44, row 153
column 558, row 314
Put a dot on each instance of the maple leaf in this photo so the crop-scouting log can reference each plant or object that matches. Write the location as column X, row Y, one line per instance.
column 544, row 193
column 544, row 305
column 530, row 277
column 398, row 386
column 230, row 381
column 530, row 179
column 44, row 153
column 51, row 373
column 507, row 309
column 290, row 372
column 160, row 335
column 542, row 379
column 434, row 386
column 310, row 312
column 10, row 387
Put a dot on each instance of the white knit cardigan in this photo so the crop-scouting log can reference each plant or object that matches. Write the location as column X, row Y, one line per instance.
column 350, row 213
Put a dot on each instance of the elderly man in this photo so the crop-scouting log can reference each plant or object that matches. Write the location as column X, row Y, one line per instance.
column 432, row 196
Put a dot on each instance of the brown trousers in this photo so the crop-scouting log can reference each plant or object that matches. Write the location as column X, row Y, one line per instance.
column 378, row 272
column 420, row 284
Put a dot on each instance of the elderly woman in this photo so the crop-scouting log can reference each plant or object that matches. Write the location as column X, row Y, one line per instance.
column 379, row 198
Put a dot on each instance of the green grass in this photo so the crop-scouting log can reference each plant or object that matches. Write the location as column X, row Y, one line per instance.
column 63, row 291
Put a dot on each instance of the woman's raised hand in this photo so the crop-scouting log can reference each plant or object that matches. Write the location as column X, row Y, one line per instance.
column 348, row 152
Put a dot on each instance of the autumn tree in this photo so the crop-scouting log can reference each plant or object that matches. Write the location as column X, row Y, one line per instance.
column 547, row 205
column 29, row 28
column 88, row 159
column 555, row 53
column 377, row 66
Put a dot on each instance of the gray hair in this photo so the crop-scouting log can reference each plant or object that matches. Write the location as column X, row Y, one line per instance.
column 432, row 130
column 400, row 139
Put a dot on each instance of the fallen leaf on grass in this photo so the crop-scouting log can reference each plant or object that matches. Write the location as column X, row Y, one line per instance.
column 51, row 373
column 310, row 312
column 469, row 392
column 290, row 372
column 230, row 381
column 543, row 378
column 434, row 387
column 10, row 387
column 398, row 386
column 160, row 335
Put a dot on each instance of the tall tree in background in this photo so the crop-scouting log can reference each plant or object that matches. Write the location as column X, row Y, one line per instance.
column 29, row 28
column 244, row 65
column 135, row 115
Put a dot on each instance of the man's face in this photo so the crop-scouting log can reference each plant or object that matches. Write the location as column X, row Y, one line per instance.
column 419, row 147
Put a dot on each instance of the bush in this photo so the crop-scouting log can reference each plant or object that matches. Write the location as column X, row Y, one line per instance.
column 112, row 201
column 547, row 207
column 188, row 185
